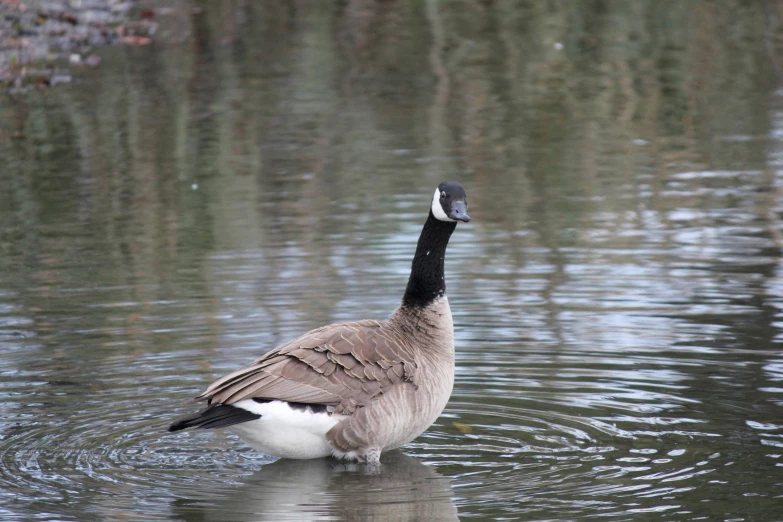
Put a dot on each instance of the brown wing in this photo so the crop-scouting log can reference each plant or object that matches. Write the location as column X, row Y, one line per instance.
column 343, row 365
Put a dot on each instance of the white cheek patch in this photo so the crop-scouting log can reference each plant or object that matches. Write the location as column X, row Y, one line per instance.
column 437, row 210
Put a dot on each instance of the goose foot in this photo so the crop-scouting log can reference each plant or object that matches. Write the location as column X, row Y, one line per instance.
column 371, row 456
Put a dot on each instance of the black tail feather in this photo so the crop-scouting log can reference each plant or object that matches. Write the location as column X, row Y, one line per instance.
column 218, row 416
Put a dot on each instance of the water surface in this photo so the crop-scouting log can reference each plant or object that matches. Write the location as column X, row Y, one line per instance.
column 265, row 168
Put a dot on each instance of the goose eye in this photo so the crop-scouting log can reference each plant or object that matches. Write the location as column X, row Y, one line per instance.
column 443, row 195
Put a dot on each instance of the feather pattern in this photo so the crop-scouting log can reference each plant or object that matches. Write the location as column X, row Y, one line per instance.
column 344, row 365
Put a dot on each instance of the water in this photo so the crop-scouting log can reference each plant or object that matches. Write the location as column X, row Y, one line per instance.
column 264, row 169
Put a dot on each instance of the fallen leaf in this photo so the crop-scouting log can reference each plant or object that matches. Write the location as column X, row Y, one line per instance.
column 463, row 428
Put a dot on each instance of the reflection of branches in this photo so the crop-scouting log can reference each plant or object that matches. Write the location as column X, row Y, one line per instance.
column 311, row 99
column 555, row 280
column 771, row 9
column 438, row 111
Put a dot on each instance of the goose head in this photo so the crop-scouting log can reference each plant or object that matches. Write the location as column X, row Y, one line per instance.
column 450, row 203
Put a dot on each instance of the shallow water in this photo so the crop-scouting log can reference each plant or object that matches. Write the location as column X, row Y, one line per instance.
column 263, row 170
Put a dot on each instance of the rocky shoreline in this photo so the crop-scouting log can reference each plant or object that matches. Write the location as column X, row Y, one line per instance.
column 43, row 42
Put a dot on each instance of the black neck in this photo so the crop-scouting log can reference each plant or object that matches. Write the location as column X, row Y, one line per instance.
column 427, row 280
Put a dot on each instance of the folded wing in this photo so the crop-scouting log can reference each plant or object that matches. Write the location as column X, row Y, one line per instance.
column 344, row 366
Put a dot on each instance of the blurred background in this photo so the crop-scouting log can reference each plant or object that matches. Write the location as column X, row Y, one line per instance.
column 246, row 171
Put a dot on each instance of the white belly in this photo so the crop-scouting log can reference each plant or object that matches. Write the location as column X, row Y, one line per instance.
column 284, row 431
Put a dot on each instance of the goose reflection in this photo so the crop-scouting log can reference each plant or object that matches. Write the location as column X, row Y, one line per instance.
column 402, row 488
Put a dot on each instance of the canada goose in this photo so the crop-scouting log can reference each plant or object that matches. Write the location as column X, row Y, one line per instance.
column 352, row 390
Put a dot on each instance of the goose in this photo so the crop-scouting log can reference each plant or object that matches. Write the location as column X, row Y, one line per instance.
column 352, row 390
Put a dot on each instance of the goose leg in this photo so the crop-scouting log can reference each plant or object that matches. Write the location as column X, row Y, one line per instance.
column 370, row 456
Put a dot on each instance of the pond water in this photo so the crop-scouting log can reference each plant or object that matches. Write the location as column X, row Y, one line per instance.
column 265, row 168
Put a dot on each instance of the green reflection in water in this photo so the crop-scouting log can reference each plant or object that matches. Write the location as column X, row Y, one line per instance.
column 263, row 169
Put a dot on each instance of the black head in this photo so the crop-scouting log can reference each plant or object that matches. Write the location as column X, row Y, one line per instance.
column 450, row 203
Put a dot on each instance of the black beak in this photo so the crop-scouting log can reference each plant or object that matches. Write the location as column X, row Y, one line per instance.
column 459, row 211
